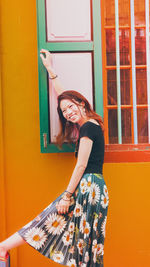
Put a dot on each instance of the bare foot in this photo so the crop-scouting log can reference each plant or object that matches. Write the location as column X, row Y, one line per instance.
column 3, row 252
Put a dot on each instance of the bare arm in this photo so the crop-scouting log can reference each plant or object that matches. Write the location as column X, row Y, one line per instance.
column 83, row 156
column 47, row 62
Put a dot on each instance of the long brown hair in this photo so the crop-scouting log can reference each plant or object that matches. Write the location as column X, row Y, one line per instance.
column 69, row 130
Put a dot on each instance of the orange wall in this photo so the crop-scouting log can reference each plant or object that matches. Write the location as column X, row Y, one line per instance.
column 30, row 180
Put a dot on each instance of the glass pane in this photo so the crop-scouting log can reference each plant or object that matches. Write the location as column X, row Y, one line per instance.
column 68, row 20
column 139, row 10
column 142, row 115
column 126, row 126
column 125, row 87
column 141, row 86
column 110, row 47
column 140, row 47
column 110, row 12
column 111, row 87
column 69, row 66
column 124, row 12
column 112, row 126
column 124, row 47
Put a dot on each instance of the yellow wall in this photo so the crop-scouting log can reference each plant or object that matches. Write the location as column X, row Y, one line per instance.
column 32, row 180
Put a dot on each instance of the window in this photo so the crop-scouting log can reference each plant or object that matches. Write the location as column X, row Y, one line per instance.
column 109, row 40
column 73, row 35
column 126, row 76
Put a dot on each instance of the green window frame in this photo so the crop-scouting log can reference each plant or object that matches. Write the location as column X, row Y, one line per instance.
column 93, row 46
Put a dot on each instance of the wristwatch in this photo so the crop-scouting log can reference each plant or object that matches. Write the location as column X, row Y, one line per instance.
column 67, row 195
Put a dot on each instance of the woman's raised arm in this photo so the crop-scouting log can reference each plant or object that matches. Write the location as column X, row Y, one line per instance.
column 47, row 62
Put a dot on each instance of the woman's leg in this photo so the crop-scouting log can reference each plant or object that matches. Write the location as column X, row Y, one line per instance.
column 11, row 242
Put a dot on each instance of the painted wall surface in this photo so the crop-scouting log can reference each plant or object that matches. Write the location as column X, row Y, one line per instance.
column 30, row 180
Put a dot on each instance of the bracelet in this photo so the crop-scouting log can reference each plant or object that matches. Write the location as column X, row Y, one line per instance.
column 51, row 78
column 66, row 199
column 66, row 195
column 68, row 192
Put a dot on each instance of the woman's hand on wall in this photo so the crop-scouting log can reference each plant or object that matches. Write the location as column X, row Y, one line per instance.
column 46, row 57
column 47, row 61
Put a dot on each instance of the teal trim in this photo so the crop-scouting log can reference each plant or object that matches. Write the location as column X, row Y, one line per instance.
column 43, row 97
column 41, row 20
column 68, row 47
column 133, row 72
column 52, row 148
column 98, row 81
column 91, row 46
column 118, row 73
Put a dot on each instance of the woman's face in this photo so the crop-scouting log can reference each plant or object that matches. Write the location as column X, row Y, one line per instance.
column 72, row 112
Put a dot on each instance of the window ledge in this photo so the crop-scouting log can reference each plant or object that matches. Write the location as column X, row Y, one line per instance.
column 127, row 153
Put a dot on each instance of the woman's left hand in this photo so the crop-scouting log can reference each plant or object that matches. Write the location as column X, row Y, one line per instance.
column 63, row 206
column 47, row 60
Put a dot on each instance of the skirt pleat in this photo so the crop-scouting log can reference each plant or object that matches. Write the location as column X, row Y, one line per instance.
column 75, row 238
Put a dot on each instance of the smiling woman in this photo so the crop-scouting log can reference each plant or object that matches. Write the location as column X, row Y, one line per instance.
column 70, row 111
column 74, row 110
column 71, row 230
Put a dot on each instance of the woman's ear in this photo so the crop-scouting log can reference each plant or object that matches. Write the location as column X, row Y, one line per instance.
column 83, row 104
column 82, row 109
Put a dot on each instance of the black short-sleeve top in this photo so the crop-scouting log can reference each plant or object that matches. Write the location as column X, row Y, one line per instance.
column 96, row 158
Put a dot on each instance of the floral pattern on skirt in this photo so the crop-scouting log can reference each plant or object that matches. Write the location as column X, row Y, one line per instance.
column 75, row 238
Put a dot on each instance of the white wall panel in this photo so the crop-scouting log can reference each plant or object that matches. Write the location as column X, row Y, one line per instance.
column 68, row 20
column 75, row 73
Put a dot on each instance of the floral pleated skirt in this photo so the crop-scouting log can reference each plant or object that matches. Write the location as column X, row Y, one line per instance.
column 75, row 238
